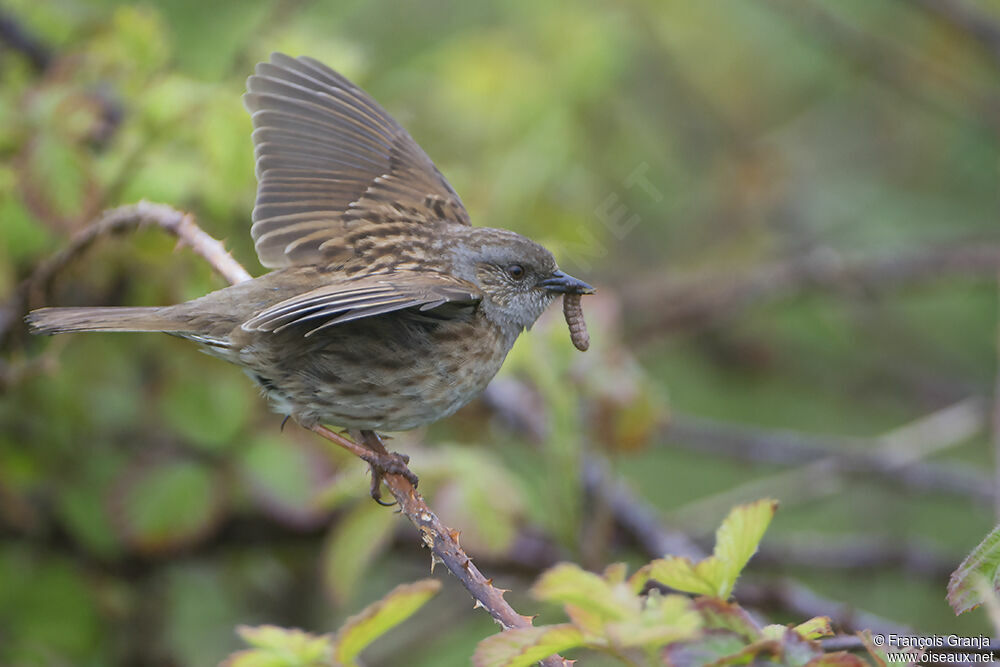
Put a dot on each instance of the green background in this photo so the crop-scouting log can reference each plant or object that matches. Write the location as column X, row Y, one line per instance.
column 149, row 503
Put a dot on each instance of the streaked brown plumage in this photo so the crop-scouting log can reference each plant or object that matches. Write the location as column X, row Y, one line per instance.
column 386, row 309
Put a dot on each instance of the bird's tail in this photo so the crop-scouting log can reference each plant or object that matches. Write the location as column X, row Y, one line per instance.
column 66, row 320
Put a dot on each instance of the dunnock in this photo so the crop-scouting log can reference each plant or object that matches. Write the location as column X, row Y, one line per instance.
column 385, row 310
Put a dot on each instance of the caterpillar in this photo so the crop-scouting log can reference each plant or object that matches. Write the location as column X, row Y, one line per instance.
column 573, row 311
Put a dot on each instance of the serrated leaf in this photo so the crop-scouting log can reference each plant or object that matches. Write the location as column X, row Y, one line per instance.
column 815, row 628
column 521, row 647
column 379, row 617
column 722, row 615
column 983, row 563
column 680, row 574
column 736, row 541
column 284, row 639
column 663, row 619
column 568, row 583
column 352, row 546
column 280, row 647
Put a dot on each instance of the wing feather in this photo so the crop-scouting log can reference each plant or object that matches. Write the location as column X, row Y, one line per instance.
column 329, row 159
column 365, row 297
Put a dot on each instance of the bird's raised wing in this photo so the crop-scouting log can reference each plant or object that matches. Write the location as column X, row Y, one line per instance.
column 330, row 164
column 425, row 292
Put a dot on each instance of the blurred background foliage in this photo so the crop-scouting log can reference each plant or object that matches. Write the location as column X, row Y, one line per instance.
column 790, row 209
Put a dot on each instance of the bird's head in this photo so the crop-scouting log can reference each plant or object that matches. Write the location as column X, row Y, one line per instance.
column 518, row 277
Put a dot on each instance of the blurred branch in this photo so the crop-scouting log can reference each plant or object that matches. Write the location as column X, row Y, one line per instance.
column 969, row 19
column 700, row 301
column 892, row 453
column 17, row 38
column 856, row 553
column 841, row 455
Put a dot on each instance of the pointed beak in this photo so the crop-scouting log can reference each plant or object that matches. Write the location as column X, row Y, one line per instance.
column 566, row 284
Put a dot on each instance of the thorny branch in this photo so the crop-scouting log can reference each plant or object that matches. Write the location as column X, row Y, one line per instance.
column 442, row 541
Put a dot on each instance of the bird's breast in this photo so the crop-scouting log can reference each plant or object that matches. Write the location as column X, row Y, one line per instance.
column 388, row 373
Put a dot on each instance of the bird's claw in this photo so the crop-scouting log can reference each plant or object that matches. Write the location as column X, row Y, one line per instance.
column 388, row 463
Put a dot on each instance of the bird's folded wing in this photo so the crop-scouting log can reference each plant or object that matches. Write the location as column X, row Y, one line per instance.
column 365, row 297
column 331, row 162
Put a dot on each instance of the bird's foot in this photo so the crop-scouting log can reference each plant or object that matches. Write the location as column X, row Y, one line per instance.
column 387, row 463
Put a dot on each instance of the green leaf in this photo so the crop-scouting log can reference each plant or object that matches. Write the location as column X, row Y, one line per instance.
column 378, row 618
column 735, row 542
column 521, row 647
column 568, row 583
column 815, row 628
column 737, row 539
column 680, row 574
column 663, row 619
column 280, row 647
column 983, row 563
column 722, row 615
column 352, row 545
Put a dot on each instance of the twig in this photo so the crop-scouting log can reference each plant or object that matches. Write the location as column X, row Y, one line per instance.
column 846, row 455
column 700, row 301
column 442, row 541
column 856, row 553
column 895, row 450
column 129, row 218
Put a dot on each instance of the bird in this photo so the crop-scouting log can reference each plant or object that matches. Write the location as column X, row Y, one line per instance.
column 384, row 309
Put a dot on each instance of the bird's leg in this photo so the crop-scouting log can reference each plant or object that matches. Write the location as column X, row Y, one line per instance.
column 382, row 462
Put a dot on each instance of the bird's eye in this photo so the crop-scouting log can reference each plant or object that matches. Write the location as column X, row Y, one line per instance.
column 515, row 271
